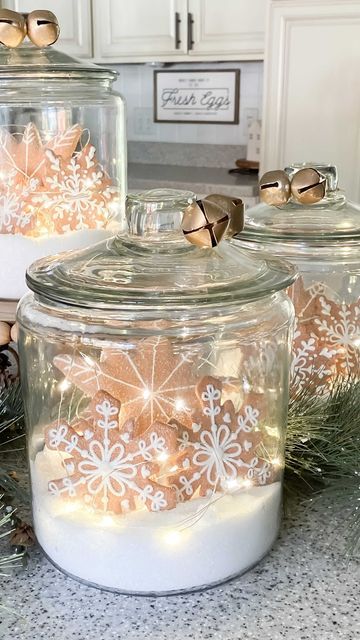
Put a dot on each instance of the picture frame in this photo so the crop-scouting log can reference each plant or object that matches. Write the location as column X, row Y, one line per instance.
column 210, row 96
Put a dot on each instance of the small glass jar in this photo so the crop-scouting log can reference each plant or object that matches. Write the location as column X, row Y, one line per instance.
column 322, row 240
column 155, row 377
column 62, row 158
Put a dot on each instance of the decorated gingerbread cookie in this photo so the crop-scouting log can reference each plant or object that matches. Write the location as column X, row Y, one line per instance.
column 148, row 377
column 219, row 449
column 327, row 336
column 50, row 186
column 106, row 466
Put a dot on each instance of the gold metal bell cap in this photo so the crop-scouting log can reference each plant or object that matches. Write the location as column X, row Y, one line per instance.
column 235, row 208
column 12, row 28
column 43, row 28
column 308, row 186
column 205, row 223
column 274, row 188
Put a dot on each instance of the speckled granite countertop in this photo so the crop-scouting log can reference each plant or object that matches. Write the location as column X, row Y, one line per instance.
column 303, row 590
column 201, row 180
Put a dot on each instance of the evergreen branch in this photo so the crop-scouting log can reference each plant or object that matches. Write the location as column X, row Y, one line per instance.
column 323, row 449
column 14, row 559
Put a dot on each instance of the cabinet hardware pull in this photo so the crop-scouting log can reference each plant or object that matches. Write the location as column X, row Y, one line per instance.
column 190, row 31
column 177, row 30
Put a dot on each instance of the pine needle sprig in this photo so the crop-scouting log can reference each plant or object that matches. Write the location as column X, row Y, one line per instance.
column 323, row 450
column 11, row 412
column 12, row 560
column 11, row 439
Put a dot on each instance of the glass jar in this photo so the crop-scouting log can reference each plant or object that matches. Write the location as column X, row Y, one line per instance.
column 322, row 240
column 155, row 376
column 62, row 158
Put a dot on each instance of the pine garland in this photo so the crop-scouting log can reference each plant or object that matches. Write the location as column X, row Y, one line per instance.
column 11, row 438
column 11, row 443
column 14, row 559
column 323, row 450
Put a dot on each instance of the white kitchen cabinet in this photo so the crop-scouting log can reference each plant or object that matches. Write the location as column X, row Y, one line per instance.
column 312, row 93
column 227, row 28
column 178, row 30
column 139, row 30
column 74, row 18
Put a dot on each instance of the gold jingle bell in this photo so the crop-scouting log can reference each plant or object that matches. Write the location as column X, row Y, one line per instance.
column 204, row 223
column 12, row 28
column 43, row 28
column 274, row 188
column 308, row 186
column 234, row 207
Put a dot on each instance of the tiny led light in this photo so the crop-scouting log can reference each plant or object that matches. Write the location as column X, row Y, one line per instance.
column 70, row 507
column 64, row 385
column 107, row 521
column 234, row 484
column 277, row 462
column 163, row 456
column 146, row 393
column 172, row 537
column 179, row 404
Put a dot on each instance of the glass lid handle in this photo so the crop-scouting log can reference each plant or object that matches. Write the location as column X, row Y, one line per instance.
column 164, row 215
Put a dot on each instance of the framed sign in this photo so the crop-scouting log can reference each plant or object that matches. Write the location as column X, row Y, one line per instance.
column 204, row 97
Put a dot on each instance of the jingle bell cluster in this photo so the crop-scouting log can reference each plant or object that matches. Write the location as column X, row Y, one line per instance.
column 306, row 187
column 40, row 26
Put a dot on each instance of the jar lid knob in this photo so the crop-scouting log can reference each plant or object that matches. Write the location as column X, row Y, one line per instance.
column 41, row 27
column 206, row 222
column 303, row 183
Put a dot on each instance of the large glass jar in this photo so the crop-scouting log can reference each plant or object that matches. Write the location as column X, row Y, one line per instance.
column 155, row 376
column 62, row 158
column 323, row 241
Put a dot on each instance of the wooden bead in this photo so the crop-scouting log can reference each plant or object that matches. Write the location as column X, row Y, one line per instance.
column 274, row 188
column 4, row 333
column 234, row 207
column 43, row 28
column 308, row 186
column 12, row 28
column 205, row 223
column 14, row 333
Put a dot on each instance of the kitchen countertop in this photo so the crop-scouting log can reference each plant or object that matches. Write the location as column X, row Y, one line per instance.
column 201, row 180
column 305, row 589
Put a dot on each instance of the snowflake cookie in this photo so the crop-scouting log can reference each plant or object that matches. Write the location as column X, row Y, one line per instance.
column 338, row 328
column 327, row 336
column 76, row 191
column 48, row 186
column 219, row 449
column 152, row 382
column 312, row 364
column 106, row 466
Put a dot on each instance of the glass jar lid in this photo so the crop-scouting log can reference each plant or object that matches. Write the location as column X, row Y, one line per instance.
column 27, row 61
column 153, row 267
column 332, row 218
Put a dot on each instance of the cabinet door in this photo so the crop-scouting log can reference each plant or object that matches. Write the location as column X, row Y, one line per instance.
column 312, row 92
column 74, row 18
column 139, row 30
column 227, row 28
